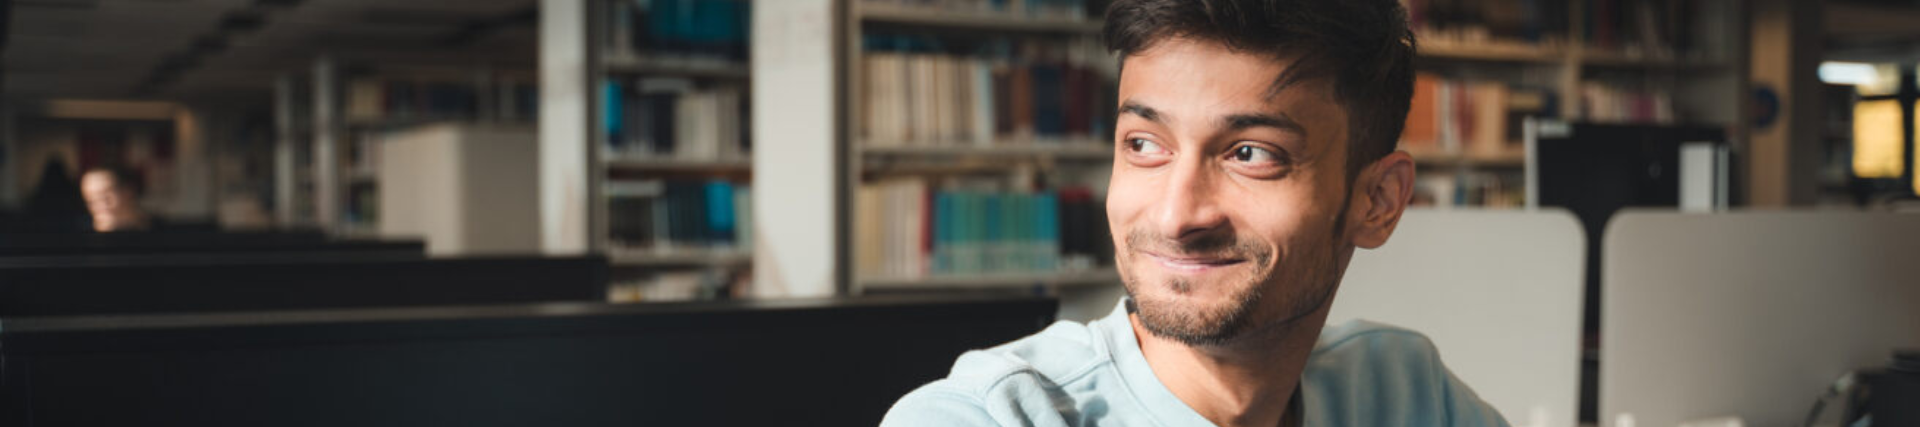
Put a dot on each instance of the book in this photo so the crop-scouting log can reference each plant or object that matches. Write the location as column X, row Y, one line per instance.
column 906, row 228
column 677, row 119
column 915, row 94
column 707, row 32
column 671, row 215
column 1448, row 115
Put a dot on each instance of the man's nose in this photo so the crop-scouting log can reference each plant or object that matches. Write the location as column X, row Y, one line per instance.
column 1188, row 207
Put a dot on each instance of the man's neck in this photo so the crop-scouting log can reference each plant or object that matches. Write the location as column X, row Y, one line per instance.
column 1245, row 384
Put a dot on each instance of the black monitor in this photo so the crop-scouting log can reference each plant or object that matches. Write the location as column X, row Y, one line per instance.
column 147, row 284
column 1594, row 170
column 804, row 362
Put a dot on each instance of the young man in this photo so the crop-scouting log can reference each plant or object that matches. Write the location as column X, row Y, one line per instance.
column 1255, row 149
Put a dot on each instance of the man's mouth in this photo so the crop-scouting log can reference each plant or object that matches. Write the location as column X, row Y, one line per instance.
column 1192, row 264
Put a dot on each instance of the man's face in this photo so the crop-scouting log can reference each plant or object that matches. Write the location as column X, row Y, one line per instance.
column 112, row 206
column 1225, row 195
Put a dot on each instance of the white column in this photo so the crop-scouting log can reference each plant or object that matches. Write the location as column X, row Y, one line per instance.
column 566, row 196
column 284, row 180
column 326, row 146
column 193, row 186
column 796, row 157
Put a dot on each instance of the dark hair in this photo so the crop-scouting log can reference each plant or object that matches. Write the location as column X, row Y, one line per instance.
column 1364, row 46
column 124, row 177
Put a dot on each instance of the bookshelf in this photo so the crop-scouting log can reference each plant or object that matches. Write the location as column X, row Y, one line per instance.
column 669, row 146
column 984, row 130
column 333, row 117
column 1619, row 61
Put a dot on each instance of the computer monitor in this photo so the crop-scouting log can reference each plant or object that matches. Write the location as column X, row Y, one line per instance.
column 796, row 362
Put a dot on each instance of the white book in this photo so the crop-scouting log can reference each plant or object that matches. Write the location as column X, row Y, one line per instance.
column 942, row 99
column 982, row 102
column 726, row 110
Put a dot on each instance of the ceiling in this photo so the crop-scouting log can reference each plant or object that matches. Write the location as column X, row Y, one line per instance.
column 210, row 50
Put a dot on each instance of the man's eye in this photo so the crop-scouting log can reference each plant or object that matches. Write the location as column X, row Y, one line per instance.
column 1252, row 154
column 1141, row 145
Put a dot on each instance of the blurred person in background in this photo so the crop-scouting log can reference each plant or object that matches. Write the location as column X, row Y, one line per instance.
column 55, row 205
column 113, row 197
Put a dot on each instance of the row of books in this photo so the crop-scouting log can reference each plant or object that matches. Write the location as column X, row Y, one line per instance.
column 1477, row 189
column 673, row 118
column 937, row 99
column 1044, row 9
column 1457, row 115
column 669, row 215
column 693, row 30
column 375, row 99
column 1536, row 21
column 1603, row 103
column 1655, row 27
column 906, row 228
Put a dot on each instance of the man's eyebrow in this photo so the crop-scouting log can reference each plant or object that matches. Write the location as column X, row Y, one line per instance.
column 1145, row 112
column 1281, row 121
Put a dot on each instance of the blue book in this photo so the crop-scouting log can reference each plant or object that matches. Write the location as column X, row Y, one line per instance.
column 719, row 212
column 1049, row 93
column 611, row 114
column 1048, row 216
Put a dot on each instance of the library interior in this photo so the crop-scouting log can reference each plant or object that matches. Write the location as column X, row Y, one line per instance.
column 749, row 212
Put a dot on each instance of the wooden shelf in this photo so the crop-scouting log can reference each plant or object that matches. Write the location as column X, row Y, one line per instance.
column 669, row 164
column 921, row 17
column 1106, row 276
column 388, row 123
column 1077, row 148
column 629, row 64
column 1492, row 52
column 1439, row 158
column 633, row 257
column 1616, row 59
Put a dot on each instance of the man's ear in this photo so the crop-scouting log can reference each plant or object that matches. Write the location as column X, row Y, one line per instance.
column 1381, row 194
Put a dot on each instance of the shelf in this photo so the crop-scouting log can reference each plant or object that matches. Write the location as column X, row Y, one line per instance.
column 1491, row 52
column 629, row 64
column 1439, row 158
column 1076, row 148
column 669, row 164
column 922, row 17
column 630, row 257
column 1604, row 58
column 388, row 123
column 996, row 281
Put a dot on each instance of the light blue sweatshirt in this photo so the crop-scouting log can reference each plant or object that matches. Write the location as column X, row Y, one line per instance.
column 1360, row 374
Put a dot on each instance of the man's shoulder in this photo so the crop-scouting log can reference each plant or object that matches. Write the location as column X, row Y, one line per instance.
column 1369, row 339
column 1390, row 376
column 999, row 382
column 1057, row 354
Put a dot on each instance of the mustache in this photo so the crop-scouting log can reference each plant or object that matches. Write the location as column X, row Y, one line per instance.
column 1207, row 245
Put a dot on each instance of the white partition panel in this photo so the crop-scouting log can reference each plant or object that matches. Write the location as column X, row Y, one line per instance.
column 1498, row 292
column 1750, row 314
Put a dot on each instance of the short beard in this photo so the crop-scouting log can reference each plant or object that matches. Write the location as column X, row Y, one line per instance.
column 1224, row 326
